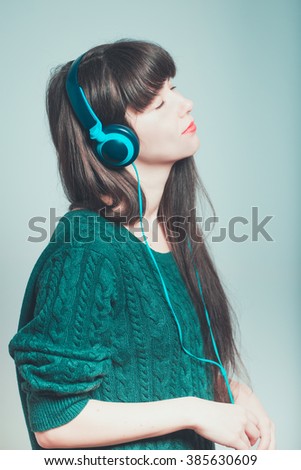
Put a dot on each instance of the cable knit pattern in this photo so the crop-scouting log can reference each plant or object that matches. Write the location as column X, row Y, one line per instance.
column 95, row 324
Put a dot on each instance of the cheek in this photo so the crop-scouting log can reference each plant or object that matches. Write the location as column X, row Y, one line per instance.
column 157, row 138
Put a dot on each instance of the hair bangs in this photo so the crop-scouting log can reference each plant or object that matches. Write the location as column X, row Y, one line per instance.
column 140, row 70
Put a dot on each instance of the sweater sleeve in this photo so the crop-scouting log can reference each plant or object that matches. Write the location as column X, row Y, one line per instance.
column 63, row 353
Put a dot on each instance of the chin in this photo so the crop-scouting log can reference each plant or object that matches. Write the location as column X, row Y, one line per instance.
column 193, row 146
column 197, row 145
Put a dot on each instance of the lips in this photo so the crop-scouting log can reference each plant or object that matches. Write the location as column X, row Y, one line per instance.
column 190, row 128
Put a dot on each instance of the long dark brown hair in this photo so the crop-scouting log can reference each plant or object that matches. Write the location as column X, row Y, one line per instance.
column 115, row 76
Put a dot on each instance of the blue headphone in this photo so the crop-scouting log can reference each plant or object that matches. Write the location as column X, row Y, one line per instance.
column 115, row 145
column 118, row 146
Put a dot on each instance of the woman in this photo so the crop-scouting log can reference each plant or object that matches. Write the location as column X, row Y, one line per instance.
column 127, row 342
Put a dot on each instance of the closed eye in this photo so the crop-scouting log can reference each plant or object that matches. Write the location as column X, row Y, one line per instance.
column 161, row 104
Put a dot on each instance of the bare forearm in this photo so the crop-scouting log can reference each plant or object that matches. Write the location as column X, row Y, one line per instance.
column 105, row 423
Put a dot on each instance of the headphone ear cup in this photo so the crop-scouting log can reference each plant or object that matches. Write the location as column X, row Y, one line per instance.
column 120, row 147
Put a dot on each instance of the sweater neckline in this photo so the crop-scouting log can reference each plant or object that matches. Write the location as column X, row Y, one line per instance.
column 161, row 256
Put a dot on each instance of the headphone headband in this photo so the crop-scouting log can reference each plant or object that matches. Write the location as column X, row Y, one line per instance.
column 77, row 98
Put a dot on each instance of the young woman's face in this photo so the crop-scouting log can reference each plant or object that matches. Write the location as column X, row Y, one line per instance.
column 165, row 128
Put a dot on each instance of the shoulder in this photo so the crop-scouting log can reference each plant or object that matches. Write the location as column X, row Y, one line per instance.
column 80, row 247
column 85, row 230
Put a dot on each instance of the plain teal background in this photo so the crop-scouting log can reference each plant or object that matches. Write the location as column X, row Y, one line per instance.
column 239, row 61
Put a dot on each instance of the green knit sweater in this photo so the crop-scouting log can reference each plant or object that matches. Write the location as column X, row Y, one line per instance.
column 95, row 324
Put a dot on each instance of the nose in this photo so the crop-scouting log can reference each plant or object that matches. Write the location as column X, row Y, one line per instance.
column 185, row 106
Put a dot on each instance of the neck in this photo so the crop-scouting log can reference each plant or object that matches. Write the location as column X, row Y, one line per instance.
column 152, row 180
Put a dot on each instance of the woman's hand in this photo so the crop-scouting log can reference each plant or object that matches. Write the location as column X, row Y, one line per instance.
column 229, row 425
column 244, row 397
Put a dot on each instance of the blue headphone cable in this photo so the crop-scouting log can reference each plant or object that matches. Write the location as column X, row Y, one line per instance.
column 219, row 362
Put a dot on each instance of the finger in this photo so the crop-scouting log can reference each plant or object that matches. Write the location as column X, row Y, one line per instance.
column 252, row 433
column 272, row 445
column 265, row 440
column 253, row 418
column 242, row 444
column 246, row 441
